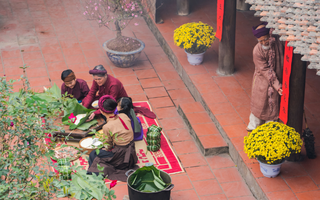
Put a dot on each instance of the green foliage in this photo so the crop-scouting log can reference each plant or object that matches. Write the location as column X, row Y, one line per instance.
column 25, row 118
column 68, row 105
column 85, row 126
column 83, row 186
column 72, row 106
column 147, row 179
column 52, row 94
column 24, row 171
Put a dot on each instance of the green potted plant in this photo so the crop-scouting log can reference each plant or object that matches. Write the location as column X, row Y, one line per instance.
column 116, row 15
column 270, row 144
column 195, row 38
column 24, row 159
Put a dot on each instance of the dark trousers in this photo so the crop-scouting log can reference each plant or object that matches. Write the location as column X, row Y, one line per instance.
column 102, row 154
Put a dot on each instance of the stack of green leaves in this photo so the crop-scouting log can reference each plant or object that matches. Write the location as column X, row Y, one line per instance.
column 88, row 186
column 51, row 95
column 72, row 106
column 147, row 179
column 154, row 138
column 83, row 186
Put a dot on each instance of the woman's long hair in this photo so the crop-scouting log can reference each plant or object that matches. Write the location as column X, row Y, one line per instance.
column 126, row 105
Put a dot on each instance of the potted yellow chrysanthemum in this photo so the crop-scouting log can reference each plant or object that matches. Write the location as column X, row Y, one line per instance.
column 195, row 39
column 270, row 144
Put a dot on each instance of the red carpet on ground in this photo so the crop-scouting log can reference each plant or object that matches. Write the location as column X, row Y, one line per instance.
column 164, row 159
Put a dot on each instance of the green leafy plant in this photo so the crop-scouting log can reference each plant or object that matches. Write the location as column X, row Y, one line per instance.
column 147, row 179
column 83, row 186
column 72, row 106
column 25, row 118
column 52, row 94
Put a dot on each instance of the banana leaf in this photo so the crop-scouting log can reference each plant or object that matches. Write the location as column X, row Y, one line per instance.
column 52, row 94
column 84, row 181
column 85, row 126
column 77, row 109
column 147, row 179
column 75, row 187
column 55, row 91
column 69, row 105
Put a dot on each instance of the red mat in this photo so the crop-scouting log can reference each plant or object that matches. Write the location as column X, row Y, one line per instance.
column 164, row 159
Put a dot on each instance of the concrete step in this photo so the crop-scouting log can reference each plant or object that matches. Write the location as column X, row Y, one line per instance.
column 202, row 129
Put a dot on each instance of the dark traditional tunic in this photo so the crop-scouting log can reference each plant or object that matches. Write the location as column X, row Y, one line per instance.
column 111, row 87
column 259, row 97
column 122, row 157
column 79, row 91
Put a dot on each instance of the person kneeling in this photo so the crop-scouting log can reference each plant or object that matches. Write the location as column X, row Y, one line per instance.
column 118, row 154
column 125, row 106
column 78, row 88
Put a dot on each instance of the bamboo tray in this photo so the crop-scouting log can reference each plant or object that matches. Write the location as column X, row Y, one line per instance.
column 75, row 157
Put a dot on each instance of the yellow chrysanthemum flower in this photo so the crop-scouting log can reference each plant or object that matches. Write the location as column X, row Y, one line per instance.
column 272, row 142
column 194, row 37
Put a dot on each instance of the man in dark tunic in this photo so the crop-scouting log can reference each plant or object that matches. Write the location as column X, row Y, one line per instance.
column 267, row 78
column 104, row 84
column 78, row 88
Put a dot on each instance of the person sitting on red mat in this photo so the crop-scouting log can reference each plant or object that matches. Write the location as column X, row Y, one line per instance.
column 104, row 84
column 76, row 87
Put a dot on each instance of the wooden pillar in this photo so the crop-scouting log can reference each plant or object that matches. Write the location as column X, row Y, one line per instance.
column 183, row 7
column 241, row 5
column 296, row 93
column 227, row 44
column 152, row 7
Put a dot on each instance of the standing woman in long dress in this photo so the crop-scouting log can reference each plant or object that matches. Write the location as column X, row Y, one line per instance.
column 118, row 154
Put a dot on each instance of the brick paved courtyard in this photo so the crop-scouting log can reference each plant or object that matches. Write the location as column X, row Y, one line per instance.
column 51, row 36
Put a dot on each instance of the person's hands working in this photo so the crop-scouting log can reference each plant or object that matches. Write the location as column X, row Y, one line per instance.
column 91, row 117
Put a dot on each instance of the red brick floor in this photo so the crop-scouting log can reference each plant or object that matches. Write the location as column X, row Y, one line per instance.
column 51, row 36
column 229, row 98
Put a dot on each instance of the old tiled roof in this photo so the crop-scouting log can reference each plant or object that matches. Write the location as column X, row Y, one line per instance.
column 296, row 21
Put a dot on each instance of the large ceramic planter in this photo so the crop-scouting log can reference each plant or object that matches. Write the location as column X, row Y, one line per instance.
column 195, row 59
column 270, row 171
column 123, row 59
